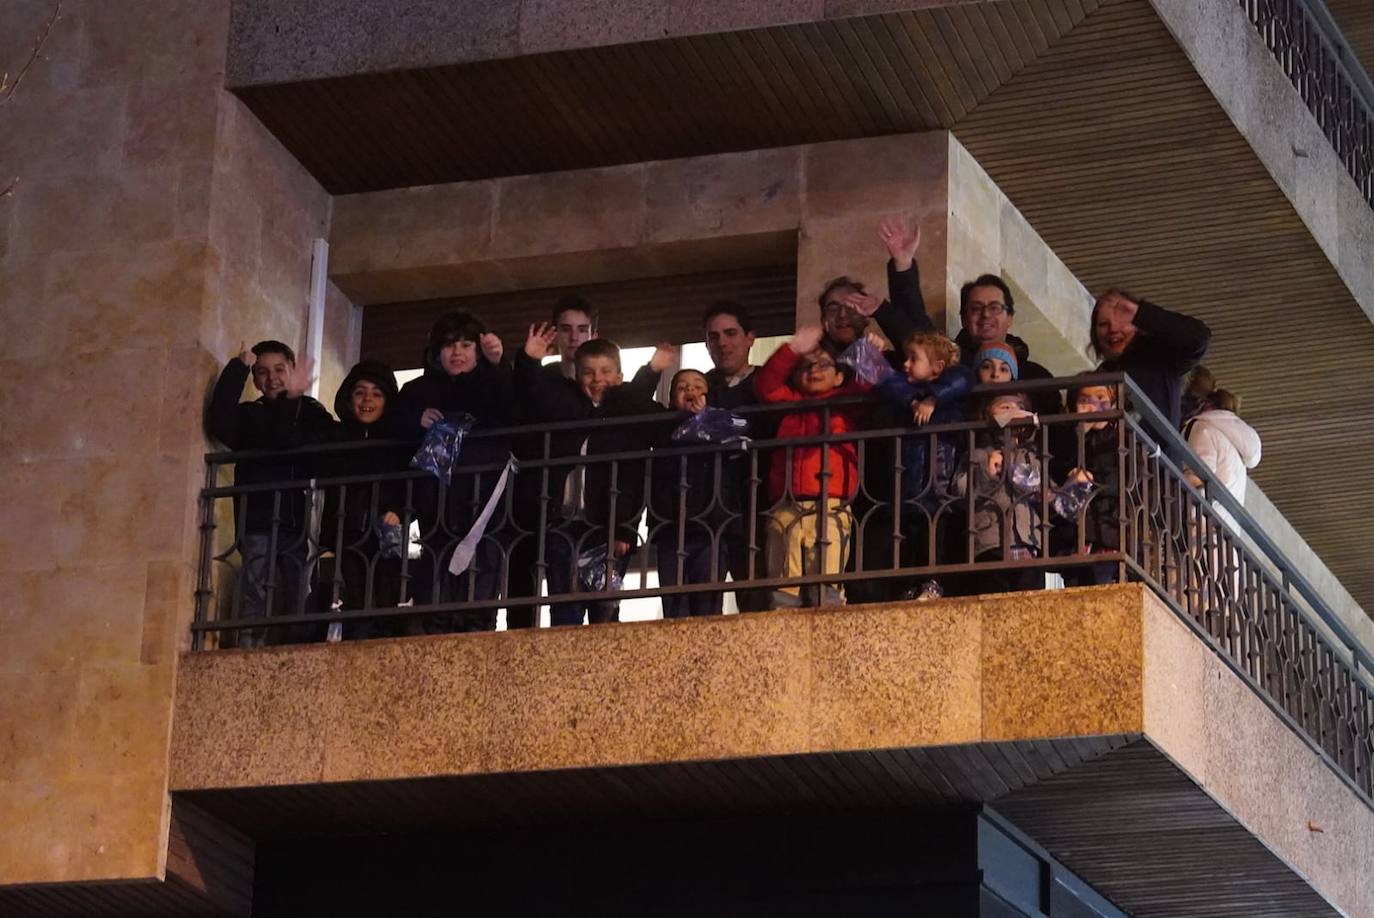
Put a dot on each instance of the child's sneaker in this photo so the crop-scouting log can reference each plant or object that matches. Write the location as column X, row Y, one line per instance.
column 927, row 591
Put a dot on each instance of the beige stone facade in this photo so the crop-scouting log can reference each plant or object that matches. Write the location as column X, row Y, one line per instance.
column 154, row 226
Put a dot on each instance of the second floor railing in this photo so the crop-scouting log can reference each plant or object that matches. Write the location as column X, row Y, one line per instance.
column 1310, row 47
column 347, row 542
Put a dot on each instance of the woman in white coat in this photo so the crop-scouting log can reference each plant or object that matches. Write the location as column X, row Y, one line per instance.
column 1228, row 446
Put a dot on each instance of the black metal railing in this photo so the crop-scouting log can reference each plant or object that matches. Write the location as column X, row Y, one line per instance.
column 1310, row 47
column 972, row 506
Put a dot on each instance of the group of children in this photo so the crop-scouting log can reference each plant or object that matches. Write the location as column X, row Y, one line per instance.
column 578, row 522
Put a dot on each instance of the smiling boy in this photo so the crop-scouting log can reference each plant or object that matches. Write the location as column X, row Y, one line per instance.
column 282, row 417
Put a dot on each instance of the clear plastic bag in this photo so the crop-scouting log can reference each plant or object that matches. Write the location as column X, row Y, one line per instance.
column 869, row 365
column 1025, row 475
column 591, row 571
column 713, row 425
column 1071, row 499
column 443, row 442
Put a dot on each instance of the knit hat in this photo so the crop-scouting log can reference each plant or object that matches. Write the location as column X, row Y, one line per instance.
column 1000, row 351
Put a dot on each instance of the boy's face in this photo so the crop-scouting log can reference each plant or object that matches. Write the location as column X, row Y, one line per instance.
column 689, row 392
column 728, row 343
column 596, row 374
column 919, row 366
column 817, row 374
column 993, row 370
column 1006, row 408
column 271, row 372
column 368, row 401
column 573, row 327
column 458, row 357
column 1091, row 399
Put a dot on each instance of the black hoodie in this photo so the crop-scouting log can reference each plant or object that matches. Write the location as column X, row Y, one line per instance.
column 278, row 423
column 358, row 498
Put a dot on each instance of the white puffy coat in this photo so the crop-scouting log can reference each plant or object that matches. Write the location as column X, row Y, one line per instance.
column 1227, row 445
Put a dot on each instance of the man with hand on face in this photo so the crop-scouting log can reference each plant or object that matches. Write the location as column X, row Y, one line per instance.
column 283, row 417
column 987, row 309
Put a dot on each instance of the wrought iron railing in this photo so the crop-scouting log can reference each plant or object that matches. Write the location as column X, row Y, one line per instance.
column 1310, row 47
column 303, row 553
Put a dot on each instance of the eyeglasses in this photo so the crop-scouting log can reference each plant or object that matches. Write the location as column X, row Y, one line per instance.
column 821, row 365
column 987, row 309
column 835, row 309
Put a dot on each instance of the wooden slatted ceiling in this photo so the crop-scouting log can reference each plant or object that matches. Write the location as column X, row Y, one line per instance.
column 1086, row 113
column 659, row 100
column 634, row 313
column 1120, row 812
column 1126, row 165
column 1356, row 19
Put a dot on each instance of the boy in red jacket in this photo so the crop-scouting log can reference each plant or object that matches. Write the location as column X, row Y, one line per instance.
column 796, row 545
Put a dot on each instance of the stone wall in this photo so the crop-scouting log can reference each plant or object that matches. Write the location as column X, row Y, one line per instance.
column 154, row 226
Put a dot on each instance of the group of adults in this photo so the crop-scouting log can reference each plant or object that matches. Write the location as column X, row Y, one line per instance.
column 1155, row 346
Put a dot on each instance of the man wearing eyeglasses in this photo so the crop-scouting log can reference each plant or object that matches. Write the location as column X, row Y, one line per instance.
column 986, row 309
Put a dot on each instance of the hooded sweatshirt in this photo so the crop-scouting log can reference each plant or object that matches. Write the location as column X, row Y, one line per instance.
column 358, row 498
column 1226, row 445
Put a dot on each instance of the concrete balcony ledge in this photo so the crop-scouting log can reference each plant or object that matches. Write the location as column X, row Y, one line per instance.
column 1073, row 712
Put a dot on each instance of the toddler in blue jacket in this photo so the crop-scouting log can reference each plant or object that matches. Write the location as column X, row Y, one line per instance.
column 932, row 390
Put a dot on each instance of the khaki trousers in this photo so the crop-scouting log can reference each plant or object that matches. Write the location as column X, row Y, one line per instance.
column 792, row 547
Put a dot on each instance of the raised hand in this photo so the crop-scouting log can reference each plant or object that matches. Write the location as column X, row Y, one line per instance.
column 540, row 340
column 300, row 377
column 806, row 339
column 247, row 356
column 924, row 410
column 665, row 356
column 492, row 349
column 901, row 238
column 865, row 304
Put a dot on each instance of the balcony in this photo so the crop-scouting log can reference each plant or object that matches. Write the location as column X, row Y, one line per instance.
column 1109, row 723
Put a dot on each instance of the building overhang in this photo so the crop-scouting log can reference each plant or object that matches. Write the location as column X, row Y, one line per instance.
column 1094, row 719
column 1151, row 146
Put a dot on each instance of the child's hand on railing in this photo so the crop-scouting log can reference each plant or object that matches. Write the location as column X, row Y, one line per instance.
column 540, row 340
column 923, row 410
column 806, row 339
column 994, row 464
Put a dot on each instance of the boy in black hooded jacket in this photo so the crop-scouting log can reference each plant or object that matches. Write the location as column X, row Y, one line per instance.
column 271, row 533
column 464, row 373
column 367, row 572
column 579, row 500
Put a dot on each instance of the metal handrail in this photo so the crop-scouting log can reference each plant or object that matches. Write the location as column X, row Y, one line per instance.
column 1217, row 492
column 1312, row 50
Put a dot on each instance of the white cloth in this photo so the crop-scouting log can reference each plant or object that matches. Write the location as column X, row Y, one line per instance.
column 467, row 548
column 1226, row 445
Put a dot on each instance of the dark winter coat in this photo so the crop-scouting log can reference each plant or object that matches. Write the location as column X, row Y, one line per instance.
column 548, row 398
column 1167, row 346
column 359, row 516
column 280, row 423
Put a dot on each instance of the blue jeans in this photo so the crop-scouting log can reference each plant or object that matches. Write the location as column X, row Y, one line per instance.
column 560, row 550
column 696, row 568
column 271, row 586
